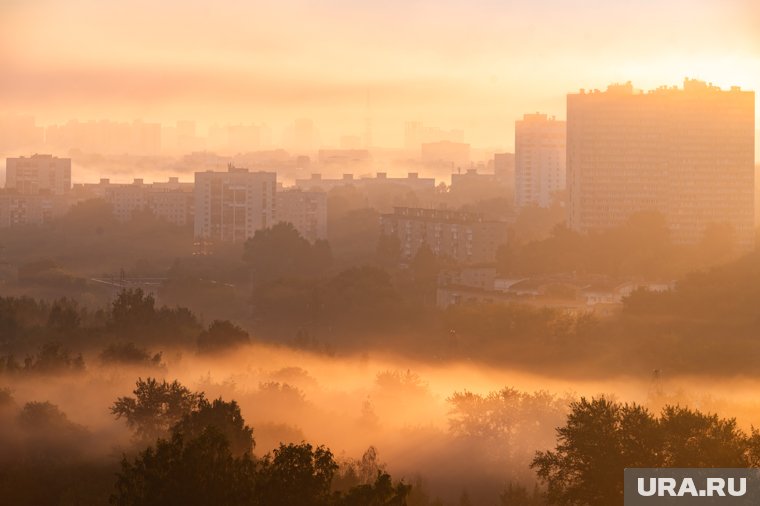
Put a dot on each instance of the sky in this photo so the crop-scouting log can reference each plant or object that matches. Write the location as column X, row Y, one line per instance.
column 476, row 65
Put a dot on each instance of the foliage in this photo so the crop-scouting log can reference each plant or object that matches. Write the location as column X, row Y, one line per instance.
column 380, row 493
column 224, row 417
column 602, row 437
column 129, row 353
column 221, row 336
column 185, row 471
column 280, row 251
column 156, row 407
column 134, row 315
column 296, row 474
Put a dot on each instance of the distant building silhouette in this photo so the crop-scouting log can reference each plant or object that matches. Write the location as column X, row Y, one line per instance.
column 412, row 181
column 416, row 134
column 688, row 153
column 539, row 159
column 446, row 153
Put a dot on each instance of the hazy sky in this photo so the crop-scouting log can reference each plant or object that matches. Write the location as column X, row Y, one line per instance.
column 476, row 65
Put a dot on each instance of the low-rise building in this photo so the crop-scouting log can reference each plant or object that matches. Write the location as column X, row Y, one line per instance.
column 465, row 237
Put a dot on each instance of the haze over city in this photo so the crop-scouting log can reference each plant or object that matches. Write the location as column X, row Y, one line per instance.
column 472, row 66
column 418, row 253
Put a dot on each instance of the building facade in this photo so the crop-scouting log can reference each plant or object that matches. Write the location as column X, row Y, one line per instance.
column 20, row 210
column 462, row 236
column 170, row 200
column 231, row 206
column 539, row 160
column 305, row 210
column 38, row 174
column 687, row 153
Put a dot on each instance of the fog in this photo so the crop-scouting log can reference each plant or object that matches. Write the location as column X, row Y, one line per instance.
column 400, row 406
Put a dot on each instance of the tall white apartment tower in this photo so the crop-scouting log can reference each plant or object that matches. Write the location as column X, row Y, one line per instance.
column 231, row 206
column 539, row 159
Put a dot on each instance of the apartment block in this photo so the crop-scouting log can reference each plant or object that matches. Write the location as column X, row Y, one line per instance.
column 231, row 206
column 38, row 174
column 305, row 210
column 685, row 152
column 539, row 160
column 465, row 237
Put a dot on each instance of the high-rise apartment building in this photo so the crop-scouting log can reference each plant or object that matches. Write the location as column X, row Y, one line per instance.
column 38, row 174
column 539, row 160
column 687, row 153
column 231, row 206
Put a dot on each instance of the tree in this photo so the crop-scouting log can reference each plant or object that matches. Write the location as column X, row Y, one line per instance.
column 280, row 251
column 518, row 495
column 388, row 250
column 225, row 417
column 155, row 407
column 296, row 474
column 53, row 358
column 64, row 317
column 129, row 353
column 380, row 493
column 601, row 438
column 49, row 435
column 187, row 471
column 221, row 335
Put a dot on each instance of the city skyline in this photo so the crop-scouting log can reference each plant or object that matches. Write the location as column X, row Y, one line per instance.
column 447, row 64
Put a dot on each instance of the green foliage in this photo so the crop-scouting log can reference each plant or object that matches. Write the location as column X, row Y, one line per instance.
column 186, row 471
column 602, row 437
column 518, row 495
column 353, row 233
column 156, row 407
column 48, row 434
column 280, row 251
column 134, row 316
column 641, row 247
column 51, row 358
column 65, row 317
column 18, row 315
column 129, row 353
column 361, row 293
column 380, row 493
column 296, row 474
column 221, row 336
column 388, row 250
column 224, row 417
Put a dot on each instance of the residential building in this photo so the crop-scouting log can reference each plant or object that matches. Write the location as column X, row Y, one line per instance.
column 231, row 206
column 462, row 236
column 412, row 181
column 305, row 210
column 19, row 210
column 170, row 200
column 687, row 153
column 38, row 174
column 539, row 160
